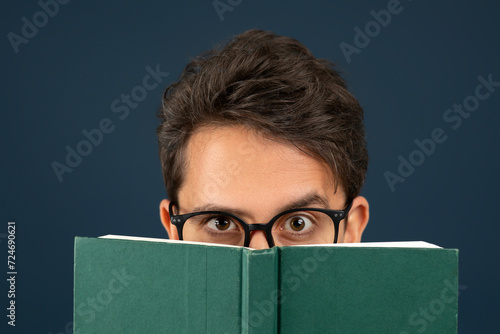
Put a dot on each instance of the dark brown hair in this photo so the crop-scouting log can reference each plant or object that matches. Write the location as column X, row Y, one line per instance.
column 274, row 85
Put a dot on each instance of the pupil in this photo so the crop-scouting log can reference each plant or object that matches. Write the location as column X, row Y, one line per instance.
column 297, row 224
column 221, row 223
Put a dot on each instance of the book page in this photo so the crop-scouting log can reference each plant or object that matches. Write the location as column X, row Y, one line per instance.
column 406, row 244
column 399, row 244
column 124, row 237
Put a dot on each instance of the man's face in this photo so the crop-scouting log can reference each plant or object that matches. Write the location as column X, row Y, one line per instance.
column 236, row 170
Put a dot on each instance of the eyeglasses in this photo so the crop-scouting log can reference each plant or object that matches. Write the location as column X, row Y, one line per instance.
column 299, row 226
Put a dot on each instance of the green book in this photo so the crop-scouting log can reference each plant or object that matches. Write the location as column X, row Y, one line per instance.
column 143, row 285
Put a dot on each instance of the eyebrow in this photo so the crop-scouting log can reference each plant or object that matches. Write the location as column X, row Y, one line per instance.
column 305, row 201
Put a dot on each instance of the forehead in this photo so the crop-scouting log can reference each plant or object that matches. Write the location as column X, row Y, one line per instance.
column 236, row 166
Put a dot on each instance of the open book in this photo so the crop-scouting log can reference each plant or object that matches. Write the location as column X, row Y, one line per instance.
column 145, row 285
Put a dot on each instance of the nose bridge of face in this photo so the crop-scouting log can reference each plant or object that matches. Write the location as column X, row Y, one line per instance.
column 258, row 239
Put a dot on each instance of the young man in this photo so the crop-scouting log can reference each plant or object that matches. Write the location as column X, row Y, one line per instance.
column 261, row 144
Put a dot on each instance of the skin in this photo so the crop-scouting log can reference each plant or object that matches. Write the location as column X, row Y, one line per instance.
column 239, row 171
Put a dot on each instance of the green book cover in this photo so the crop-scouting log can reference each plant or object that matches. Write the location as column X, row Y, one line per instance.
column 368, row 290
column 140, row 285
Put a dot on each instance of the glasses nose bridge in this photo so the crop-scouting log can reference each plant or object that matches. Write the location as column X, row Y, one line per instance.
column 257, row 227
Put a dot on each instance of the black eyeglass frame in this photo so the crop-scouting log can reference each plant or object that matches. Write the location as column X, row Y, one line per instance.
column 335, row 215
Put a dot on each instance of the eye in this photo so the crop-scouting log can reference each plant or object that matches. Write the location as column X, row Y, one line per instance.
column 220, row 223
column 298, row 223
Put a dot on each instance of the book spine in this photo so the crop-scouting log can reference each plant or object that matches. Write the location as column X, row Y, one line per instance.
column 260, row 291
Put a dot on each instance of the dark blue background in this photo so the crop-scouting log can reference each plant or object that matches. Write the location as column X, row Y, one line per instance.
column 65, row 78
